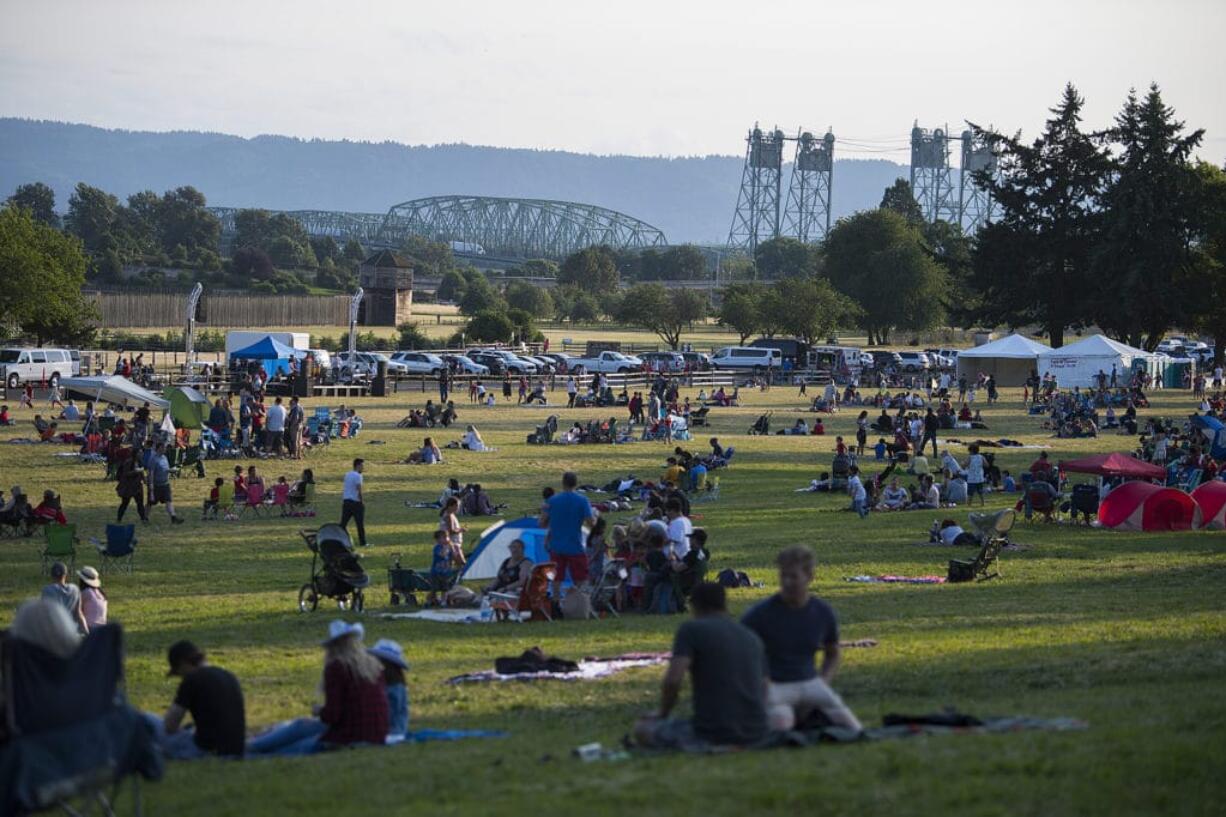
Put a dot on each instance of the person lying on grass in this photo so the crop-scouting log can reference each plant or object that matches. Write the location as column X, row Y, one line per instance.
column 794, row 626
column 727, row 665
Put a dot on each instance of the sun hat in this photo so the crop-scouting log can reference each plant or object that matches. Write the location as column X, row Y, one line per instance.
column 340, row 628
column 389, row 651
column 89, row 575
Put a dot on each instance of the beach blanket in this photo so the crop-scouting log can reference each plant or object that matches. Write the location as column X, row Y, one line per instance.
column 447, row 615
column 589, row 670
column 893, row 728
column 891, row 579
column 430, row 735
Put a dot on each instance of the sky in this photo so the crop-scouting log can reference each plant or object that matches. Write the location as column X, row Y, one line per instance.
column 669, row 77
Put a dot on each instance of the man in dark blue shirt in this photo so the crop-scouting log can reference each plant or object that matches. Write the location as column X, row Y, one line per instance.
column 564, row 515
column 795, row 625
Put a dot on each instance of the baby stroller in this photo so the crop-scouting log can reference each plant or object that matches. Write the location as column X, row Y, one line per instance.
column 335, row 570
column 761, row 426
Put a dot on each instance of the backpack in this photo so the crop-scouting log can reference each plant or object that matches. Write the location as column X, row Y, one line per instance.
column 732, row 578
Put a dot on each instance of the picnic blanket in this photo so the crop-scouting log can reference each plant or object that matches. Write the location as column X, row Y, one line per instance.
column 589, row 669
column 430, row 735
column 447, row 615
column 891, row 579
column 893, row 727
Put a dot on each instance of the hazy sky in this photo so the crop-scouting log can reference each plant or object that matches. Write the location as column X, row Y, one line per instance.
column 662, row 77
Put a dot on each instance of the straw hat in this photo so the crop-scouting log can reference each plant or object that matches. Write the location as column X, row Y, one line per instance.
column 90, row 576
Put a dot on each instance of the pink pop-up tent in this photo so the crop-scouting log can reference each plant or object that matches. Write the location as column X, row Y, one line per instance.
column 1144, row 506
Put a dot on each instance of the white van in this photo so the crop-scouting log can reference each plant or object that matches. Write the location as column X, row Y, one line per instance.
column 20, row 365
column 746, row 357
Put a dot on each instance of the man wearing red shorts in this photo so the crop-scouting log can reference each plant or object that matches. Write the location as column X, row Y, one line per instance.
column 564, row 515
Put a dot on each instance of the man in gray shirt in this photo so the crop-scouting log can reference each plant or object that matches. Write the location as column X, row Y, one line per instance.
column 727, row 665
column 62, row 592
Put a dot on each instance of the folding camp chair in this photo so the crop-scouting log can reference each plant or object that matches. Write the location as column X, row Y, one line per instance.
column 1041, row 503
column 988, row 558
column 61, row 546
column 191, row 459
column 698, row 417
column 174, row 457
column 533, row 599
column 996, row 525
column 73, row 739
column 119, row 549
column 255, row 500
column 306, row 502
column 604, row 591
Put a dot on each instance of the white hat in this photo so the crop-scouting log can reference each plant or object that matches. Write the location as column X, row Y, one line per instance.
column 389, row 651
column 89, row 575
column 340, row 628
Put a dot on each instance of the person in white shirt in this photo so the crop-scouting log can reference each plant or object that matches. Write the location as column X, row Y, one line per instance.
column 950, row 463
column 572, row 389
column 950, row 532
column 679, row 530
column 975, row 477
column 274, row 427
column 353, row 503
column 472, row 440
column 855, row 489
column 894, row 497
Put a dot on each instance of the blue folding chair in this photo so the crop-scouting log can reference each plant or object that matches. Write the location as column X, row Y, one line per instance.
column 119, row 548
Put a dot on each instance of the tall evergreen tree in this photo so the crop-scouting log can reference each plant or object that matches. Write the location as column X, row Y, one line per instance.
column 1146, row 250
column 1033, row 264
column 900, row 198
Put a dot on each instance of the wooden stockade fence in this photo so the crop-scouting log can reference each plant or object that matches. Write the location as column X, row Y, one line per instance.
column 123, row 309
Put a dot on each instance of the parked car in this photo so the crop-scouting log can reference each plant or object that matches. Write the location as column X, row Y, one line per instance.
column 697, row 361
column 512, row 362
column 24, row 364
column 607, row 362
column 544, row 365
column 323, row 358
column 462, row 364
column 561, row 362
column 885, row 360
column 420, row 362
column 493, row 364
column 914, row 361
column 940, row 359
column 747, row 357
column 663, row 361
column 367, row 363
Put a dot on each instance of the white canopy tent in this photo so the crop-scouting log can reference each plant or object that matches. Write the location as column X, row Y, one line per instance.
column 1010, row 360
column 113, row 389
column 1078, row 364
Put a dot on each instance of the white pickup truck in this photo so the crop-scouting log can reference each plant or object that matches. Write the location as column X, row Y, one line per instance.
column 607, row 363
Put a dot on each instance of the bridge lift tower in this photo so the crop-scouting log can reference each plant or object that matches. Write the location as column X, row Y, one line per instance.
column 974, row 202
column 807, row 215
column 931, row 179
column 757, row 216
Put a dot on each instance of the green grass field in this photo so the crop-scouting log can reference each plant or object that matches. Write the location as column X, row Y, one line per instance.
column 1125, row 631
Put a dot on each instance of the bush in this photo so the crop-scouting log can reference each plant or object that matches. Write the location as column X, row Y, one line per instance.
column 490, row 327
column 412, row 337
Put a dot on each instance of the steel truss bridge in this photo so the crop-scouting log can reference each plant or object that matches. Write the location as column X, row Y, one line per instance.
column 501, row 227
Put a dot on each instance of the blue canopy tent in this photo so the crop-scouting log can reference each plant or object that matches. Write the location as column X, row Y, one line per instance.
column 1214, row 432
column 272, row 353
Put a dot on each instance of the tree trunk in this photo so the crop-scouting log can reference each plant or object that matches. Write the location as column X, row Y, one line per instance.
column 1055, row 334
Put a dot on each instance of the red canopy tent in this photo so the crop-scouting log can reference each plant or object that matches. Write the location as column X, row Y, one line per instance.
column 1115, row 465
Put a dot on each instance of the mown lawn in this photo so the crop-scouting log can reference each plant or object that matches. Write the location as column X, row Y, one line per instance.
column 1125, row 631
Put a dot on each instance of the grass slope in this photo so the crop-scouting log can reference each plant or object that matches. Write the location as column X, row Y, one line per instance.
column 1124, row 630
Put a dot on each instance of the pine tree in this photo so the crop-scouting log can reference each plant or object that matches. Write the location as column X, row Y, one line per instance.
column 1145, row 254
column 1033, row 264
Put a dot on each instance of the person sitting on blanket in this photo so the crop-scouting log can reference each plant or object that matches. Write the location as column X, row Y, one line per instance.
column 355, row 710
column 513, row 573
column 727, row 666
column 428, row 454
column 795, row 625
column 929, row 496
column 894, row 497
column 472, row 440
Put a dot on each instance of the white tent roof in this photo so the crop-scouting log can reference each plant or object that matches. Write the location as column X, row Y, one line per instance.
column 1096, row 346
column 114, row 389
column 1014, row 346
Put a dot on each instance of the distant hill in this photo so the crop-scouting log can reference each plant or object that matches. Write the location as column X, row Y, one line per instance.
column 690, row 199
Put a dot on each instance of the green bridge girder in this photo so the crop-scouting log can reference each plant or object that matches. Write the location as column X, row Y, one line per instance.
column 501, row 227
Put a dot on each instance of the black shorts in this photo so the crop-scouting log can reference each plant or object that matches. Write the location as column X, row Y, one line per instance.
column 161, row 494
